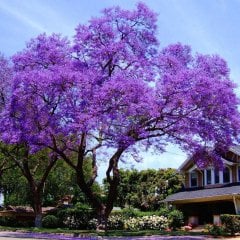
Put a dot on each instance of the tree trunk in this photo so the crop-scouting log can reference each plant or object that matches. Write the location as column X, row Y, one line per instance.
column 38, row 220
column 37, row 206
column 102, row 218
column 103, row 211
column 94, row 201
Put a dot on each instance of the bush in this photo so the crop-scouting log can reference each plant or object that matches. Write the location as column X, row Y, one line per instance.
column 13, row 222
column 231, row 223
column 163, row 212
column 129, row 212
column 92, row 224
column 215, row 230
column 75, row 218
column 115, row 223
column 146, row 223
column 175, row 219
column 50, row 221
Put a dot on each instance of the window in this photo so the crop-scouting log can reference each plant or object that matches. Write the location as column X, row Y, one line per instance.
column 216, row 176
column 209, row 176
column 193, row 179
column 226, row 175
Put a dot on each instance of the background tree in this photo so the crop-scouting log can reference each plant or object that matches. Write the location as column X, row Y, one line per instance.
column 145, row 189
column 35, row 169
column 60, row 182
column 113, row 91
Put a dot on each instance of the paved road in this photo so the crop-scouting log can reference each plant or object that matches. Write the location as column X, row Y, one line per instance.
column 34, row 236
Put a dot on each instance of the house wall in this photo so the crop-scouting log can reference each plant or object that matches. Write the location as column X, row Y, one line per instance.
column 201, row 176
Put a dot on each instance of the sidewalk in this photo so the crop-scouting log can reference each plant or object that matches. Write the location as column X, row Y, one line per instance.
column 33, row 236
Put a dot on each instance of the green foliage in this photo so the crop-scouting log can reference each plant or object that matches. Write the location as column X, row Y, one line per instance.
column 75, row 218
column 231, row 223
column 50, row 221
column 163, row 212
column 145, row 189
column 216, row 230
column 15, row 188
column 60, row 182
column 13, row 222
column 175, row 219
column 129, row 212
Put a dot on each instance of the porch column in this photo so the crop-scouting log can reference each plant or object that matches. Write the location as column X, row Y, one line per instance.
column 236, row 200
column 212, row 176
column 221, row 177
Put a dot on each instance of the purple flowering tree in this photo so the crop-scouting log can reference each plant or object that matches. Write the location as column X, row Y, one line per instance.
column 5, row 81
column 114, row 89
column 16, row 150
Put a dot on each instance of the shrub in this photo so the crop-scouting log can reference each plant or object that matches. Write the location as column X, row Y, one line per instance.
column 115, row 223
column 146, row 222
column 175, row 219
column 129, row 212
column 75, row 218
column 231, row 223
column 163, row 212
column 13, row 222
column 92, row 224
column 215, row 230
column 131, row 224
column 50, row 221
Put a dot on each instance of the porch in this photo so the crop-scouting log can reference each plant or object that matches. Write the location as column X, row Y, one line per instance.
column 206, row 205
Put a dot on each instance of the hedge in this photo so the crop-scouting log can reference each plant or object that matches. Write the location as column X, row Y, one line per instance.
column 231, row 223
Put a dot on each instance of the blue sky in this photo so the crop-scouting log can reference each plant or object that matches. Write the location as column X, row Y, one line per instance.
column 210, row 27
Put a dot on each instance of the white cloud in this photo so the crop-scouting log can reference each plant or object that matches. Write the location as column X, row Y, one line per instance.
column 21, row 17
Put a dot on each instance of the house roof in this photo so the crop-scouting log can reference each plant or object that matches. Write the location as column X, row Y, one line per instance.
column 205, row 194
column 189, row 161
column 235, row 149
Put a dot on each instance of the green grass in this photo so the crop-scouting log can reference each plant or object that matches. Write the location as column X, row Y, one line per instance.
column 95, row 233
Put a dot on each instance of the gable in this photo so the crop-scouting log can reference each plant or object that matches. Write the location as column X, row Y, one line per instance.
column 230, row 157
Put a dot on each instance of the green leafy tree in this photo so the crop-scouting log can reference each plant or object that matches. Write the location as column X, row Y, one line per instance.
column 145, row 189
column 60, row 182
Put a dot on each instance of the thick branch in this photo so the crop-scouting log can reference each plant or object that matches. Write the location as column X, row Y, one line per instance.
column 114, row 180
column 94, row 168
column 47, row 171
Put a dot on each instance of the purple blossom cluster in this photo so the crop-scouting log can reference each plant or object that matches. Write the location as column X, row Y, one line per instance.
column 100, row 85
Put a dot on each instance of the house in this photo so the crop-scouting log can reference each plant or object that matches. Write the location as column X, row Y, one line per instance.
column 209, row 192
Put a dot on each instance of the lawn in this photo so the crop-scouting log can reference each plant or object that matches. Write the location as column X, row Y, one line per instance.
column 112, row 233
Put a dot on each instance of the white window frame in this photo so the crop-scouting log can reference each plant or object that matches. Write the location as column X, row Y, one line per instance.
column 212, row 177
column 220, row 176
column 190, row 178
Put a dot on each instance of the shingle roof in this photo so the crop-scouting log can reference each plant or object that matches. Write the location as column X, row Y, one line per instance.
column 235, row 149
column 204, row 193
